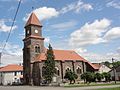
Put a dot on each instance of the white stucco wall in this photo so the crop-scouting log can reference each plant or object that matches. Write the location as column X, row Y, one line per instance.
column 104, row 68
column 9, row 77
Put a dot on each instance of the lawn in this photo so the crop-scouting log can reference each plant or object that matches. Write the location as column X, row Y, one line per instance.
column 92, row 84
column 117, row 88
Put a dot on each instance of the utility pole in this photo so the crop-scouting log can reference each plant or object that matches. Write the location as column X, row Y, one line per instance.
column 114, row 70
column 1, row 72
column 0, row 58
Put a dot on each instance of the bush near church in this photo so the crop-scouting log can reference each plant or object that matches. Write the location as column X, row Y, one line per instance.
column 71, row 76
column 89, row 77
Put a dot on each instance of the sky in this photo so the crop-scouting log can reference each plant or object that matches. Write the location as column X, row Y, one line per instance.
column 90, row 27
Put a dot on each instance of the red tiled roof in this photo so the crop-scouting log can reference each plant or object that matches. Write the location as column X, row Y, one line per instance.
column 11, row 67
column 62, row 55
column 65, row 55
column 33, row 20
column 97, row 65
column 1, row 67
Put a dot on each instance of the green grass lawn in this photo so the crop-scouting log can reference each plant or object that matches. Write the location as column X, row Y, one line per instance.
column 117, row 88
column 91, row 84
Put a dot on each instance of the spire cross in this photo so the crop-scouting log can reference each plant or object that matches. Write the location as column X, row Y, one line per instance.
column 32, row 8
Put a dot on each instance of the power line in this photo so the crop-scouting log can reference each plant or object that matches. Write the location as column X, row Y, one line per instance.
column 10, row 29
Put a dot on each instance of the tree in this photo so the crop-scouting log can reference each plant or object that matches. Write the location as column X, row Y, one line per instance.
column 107, row 63
column 99, row 76
column 83, row 76
column 106, row 76
column 116, row 64
column 71, row 76
column 49, row 65
column 88, row 77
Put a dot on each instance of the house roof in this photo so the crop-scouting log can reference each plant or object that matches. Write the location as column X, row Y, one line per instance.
column 97, row 65
column 33, row 20
column 11, row 67
column 65, row 55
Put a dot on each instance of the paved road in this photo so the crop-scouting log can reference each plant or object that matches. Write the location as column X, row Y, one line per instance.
column 53, row 88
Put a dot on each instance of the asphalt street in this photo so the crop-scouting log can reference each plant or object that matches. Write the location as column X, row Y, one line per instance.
column 53, row 88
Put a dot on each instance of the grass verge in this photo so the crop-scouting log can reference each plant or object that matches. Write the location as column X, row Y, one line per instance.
column 92, row 84
column 117, row 88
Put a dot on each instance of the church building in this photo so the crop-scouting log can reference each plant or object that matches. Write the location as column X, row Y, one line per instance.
column 34, row 56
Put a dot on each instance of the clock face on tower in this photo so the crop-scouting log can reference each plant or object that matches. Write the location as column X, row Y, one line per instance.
column 36, row 31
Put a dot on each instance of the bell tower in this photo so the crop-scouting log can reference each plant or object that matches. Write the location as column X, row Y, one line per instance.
column 33, row 45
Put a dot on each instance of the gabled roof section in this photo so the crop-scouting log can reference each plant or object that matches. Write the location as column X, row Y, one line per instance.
column 97, row 65
column 65, row 55
column 33, row 20
column 11, row 68
column 62, row 55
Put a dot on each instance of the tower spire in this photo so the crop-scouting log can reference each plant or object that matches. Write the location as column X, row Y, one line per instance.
column 33, row 20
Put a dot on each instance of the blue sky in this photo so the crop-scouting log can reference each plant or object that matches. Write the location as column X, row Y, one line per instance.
column 90, row 27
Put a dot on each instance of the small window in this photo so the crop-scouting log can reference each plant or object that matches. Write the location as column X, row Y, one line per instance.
column 37, row 49
column 1, row 74
column 43, row 71
column 21, row 73
column 15, row 74
column 68, row 69
column 57, row 72
column 78, row 70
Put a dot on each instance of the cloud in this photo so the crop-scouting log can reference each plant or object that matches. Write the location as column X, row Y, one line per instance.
column 11, row 8
column 95, row 57
column 90, row 33
column 47, row 40
column 11, row 54
column 15, row 0
column 11, row 49
column 77, row 7
column 118, row 50
column 49, row 12
column 112, row 33
column 44, row 13
column 64, row 25
column 114, row 4
column 4, row 27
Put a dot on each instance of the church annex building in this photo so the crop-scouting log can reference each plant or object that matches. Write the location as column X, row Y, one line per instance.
column 34, row 56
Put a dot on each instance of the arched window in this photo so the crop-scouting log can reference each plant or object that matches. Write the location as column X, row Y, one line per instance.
column 67, row 69
column 78, row 70
column 43, row 71
column 57, row 72
column 37, row 49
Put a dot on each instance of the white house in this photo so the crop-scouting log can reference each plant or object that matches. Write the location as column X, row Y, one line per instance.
column 117, row 74
column 101, row 67
column 11, row 74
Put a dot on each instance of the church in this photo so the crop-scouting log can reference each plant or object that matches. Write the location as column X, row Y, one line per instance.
column 34, row 56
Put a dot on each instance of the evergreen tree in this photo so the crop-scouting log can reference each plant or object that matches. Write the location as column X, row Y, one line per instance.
column 49, row 65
